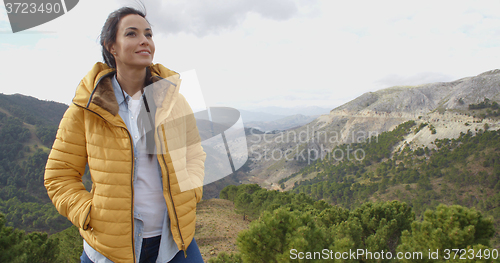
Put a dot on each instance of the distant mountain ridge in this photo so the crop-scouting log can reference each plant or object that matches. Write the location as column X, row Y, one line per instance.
column 281, row 124
column 289, row 111
column 32, row 110
column 279, row 118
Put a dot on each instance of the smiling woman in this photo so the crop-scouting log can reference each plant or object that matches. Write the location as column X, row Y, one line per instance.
column 118, row 124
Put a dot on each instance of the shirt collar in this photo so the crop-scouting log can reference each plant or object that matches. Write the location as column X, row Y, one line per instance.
column 118, row 91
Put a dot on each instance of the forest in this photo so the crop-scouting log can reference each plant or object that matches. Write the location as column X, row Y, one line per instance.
column 31, row 229
column 285, row 223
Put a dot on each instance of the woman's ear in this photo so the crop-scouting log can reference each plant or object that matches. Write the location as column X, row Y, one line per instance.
column 111, row 49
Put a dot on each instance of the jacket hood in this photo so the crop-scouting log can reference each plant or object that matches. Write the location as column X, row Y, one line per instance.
column 95, row 91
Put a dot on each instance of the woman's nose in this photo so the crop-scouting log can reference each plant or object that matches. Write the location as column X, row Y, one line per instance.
column 144, row 41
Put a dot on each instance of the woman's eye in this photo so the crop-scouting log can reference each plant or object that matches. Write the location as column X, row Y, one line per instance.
column 149, row 35
column 130, row 33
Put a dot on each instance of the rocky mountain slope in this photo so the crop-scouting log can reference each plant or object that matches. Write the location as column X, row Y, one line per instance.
column 443, row 107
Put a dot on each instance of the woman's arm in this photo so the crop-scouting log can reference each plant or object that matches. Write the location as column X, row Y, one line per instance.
column 65, row 168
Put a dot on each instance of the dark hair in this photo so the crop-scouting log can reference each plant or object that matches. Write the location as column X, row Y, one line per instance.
column 110, row 28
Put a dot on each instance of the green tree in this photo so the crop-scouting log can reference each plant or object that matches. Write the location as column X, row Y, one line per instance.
column 39, row 248
column 275, row 234
column 447, row 227
column 11, row 242
column 70, row 244
column 15, row 246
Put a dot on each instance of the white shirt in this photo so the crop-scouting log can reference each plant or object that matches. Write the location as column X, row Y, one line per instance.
column 149, row 202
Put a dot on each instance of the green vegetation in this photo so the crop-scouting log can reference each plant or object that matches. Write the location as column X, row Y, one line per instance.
column 16, row 246
column 350, row 183
column 46, row 134
column 492, row 108
column 23, row 197
column 421, row 126
column 463, row 171
column 12, row 136
column 291, row 223
column 432, row 129
column 27, row 215
column 32, row 110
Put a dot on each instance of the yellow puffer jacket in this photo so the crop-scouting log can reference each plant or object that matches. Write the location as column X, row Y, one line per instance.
column 93, row 132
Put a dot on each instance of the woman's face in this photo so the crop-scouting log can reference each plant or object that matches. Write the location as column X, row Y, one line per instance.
column 134, row 46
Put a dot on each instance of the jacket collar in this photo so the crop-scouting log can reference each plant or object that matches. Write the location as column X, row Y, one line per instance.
column 95, row 92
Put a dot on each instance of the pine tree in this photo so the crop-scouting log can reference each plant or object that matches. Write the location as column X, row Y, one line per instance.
column 447, row 228
column 275, row 234
column 11, row 245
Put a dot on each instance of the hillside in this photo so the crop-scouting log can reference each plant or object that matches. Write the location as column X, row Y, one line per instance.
column 290, row 226
column 463, row 171
column 27, row 131
column 31, row 110
column 217, row 226
column 444, row 106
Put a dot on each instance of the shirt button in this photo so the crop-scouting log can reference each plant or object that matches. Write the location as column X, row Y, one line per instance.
column 135, row 136
column 132, row 117
column 139, row 234
column 135, row 158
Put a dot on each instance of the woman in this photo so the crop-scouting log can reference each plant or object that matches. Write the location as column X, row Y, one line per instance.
column 138, row 135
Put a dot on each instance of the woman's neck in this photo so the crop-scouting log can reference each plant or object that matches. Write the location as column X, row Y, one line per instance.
column 131, row 80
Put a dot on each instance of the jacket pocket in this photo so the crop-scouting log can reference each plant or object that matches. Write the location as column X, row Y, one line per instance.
column 86, row 222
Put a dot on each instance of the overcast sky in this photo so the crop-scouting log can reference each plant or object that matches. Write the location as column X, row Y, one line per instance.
column 254, row 53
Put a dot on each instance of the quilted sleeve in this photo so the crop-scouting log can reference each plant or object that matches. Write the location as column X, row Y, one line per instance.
column 195, row 156
column 65, row 168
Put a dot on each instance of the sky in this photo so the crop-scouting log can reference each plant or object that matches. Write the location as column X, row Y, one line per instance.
column 250, row 54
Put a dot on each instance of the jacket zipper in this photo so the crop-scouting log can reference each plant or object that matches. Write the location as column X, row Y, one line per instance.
column 170, row 193
column 132, row 189
column 131, row 177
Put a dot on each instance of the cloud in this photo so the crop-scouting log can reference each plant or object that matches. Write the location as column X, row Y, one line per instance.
column 3, row 13
column 201, row 18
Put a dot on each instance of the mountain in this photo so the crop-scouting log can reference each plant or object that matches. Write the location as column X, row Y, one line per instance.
column 281, row 124
column 249, row 116
column 444, row 106
column 289, row 111
column 27, row 130
column 32, row 110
